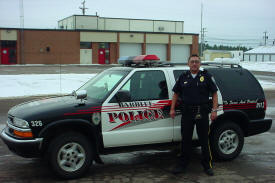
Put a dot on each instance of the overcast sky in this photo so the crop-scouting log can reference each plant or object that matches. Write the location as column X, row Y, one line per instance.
column 226, row 21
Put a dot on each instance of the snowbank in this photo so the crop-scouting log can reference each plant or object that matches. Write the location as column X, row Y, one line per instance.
column 44, row 84
column 41, row 84
column 259, row 66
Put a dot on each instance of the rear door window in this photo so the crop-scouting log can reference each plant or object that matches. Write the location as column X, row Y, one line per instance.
column 237, row 84
column 177, row 73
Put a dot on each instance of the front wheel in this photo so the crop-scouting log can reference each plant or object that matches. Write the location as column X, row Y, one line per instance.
column 70, row 155
column 227, row 141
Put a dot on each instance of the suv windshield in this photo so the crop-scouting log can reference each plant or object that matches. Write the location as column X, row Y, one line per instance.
column 102, row 84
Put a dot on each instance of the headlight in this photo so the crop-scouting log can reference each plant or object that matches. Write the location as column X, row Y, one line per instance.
column 96, row 118
column 20, row 123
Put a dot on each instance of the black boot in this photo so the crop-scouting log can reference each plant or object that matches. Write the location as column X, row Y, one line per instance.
column 209, row 171
column 178, row 169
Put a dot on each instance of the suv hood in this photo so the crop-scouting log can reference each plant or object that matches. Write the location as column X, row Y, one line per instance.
column 45, row 108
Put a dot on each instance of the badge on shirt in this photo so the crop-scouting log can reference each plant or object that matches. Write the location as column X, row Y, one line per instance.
column 201, row 78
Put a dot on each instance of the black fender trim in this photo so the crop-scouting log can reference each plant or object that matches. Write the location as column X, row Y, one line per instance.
column 259, row 126
column 82, row 124
column 236, row 116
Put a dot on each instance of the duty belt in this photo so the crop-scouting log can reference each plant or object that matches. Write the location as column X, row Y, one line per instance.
column 195, row 110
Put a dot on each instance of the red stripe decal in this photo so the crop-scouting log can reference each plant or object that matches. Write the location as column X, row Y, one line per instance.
column 164, row 101
column 158, row 105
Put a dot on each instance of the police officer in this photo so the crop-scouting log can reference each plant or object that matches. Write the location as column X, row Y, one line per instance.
column 194, row 88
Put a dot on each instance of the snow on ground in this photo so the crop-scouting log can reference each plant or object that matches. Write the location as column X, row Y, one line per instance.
column 41, row 84
column 259, row 66
column 267, row 85
column 44, row 84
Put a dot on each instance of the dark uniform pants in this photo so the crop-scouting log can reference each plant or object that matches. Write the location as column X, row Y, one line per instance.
column 187, row 126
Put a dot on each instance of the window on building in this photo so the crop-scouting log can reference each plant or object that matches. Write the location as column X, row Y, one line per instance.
column 85, row 45
column 104, row 45
column 12, row 56
column 8, row 44
column 48, row 49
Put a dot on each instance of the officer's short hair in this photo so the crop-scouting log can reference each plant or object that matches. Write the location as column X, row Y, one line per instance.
column 194, row 55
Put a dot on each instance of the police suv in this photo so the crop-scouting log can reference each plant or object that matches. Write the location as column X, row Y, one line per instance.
column 129, row 106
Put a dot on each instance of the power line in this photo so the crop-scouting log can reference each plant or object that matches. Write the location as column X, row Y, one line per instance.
column 224, row 39
column 238, row 43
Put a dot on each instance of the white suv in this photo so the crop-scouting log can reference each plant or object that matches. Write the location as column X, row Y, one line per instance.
column 129, row 106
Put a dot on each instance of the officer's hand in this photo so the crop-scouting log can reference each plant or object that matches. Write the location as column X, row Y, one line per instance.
column 172, row 113
column 213, row 115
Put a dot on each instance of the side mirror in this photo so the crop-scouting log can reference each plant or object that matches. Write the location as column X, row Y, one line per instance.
column 123, row 96
column 82, row 94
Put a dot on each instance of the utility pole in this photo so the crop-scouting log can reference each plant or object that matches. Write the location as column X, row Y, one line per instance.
column 265, row 37
column 201, row 26
column 83, row 8
column 21, row 4
column 203, row 38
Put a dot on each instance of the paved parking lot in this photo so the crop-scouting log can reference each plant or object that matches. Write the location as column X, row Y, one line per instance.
column 256, row 163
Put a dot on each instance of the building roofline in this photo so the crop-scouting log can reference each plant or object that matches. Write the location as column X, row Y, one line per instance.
column 65, row 18
column 122, row 18
column 89, row 30
column 270, row 49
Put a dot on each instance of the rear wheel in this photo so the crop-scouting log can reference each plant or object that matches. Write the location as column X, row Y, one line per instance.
column 227, row 141
column 70, row 155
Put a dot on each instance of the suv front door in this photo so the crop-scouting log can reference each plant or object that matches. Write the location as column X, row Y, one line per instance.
column 139, row 112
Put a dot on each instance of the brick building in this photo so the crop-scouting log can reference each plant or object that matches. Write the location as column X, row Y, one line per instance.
column 97, row 40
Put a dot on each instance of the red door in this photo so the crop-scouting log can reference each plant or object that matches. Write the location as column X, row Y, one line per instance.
column 5, row 56
column 101, row 55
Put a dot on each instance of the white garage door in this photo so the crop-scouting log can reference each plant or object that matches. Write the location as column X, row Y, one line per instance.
column 246, row 58
column 253, row 58
column 180, row 53
column 157, row 49
column 266, row 58
column 86, row 56
column 259, row 58
column 129, row 49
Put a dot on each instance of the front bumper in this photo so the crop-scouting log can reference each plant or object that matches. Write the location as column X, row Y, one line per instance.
column 258, row 126
column 25, row 148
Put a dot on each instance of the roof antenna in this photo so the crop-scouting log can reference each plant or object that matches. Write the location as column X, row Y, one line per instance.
column 83, row 8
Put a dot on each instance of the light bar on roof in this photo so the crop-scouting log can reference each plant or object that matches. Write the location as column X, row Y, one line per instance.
column 141, row 59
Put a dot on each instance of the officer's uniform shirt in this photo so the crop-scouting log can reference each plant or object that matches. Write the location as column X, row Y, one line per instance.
column 195, row 91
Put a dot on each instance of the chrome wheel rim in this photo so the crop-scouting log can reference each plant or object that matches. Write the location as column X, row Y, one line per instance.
column 228, row 142
column 71, row 157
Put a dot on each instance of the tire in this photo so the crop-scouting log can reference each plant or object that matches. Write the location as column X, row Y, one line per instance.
column 226, row 141
column 70, row 155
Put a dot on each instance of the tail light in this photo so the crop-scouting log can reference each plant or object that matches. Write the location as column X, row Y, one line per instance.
column 265, row 104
